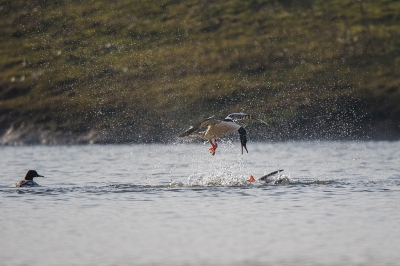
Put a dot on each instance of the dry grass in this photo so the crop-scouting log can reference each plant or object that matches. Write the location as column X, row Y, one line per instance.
column 316, row 70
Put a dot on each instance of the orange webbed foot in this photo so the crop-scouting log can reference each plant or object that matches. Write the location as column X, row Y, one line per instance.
column 251, row 179
column 212, row 151
column 214, row 147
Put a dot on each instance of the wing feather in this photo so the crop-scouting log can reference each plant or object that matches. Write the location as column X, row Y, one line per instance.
column 239, row 116
column 243, row 116
column 205, row 123
column 264, row 178
column 190, row 131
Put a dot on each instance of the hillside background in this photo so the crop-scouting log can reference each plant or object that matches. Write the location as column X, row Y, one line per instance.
column 141, row 71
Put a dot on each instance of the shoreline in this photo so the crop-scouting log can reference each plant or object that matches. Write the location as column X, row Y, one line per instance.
column 31, row 137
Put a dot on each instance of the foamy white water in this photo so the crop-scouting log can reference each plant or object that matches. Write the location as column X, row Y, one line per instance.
column 178, row 205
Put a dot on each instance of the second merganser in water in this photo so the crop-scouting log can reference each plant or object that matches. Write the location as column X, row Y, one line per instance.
column 28, row 180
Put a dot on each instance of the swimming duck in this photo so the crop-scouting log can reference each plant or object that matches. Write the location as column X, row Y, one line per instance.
column 28, row 180
column 217, row 128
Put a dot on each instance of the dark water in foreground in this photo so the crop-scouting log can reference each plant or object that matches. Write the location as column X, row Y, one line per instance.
column 178, row 205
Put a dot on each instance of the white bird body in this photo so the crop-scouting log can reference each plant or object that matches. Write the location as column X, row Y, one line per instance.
column 217, row 128
column 215, row 132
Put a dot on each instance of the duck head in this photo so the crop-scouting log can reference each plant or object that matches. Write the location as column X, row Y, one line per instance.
column 31, row 174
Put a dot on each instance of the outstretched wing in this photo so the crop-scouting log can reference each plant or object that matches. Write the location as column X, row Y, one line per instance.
column 190, row 131
column 238, row 116
column 205, row 123
column 242, row 116
column 264, row 178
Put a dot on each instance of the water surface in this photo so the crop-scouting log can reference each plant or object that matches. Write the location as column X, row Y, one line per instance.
column 178, row 205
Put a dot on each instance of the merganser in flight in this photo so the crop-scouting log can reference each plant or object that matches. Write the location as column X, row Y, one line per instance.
column 217, row 128
column 28, row 180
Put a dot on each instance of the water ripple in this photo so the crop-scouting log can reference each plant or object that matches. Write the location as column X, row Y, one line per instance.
column 206, row 183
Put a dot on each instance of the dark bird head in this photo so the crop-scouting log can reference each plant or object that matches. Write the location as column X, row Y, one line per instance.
column 243, row 139
column 31, row 174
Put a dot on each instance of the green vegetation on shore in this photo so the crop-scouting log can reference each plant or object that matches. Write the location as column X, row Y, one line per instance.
column 119, row 71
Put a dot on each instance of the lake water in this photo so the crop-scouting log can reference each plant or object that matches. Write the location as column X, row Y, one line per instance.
column 178, row 205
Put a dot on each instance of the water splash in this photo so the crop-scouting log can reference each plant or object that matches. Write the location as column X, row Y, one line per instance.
column 222, row 179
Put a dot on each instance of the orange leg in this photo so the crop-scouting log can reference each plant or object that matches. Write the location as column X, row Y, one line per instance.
column 214, row 147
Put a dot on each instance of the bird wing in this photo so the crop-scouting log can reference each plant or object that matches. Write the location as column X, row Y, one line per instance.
column 238, row 116
column 205, row 123
column 243, row 116
column 265, row 178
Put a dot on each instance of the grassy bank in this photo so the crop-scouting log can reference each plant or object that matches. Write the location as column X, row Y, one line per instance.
column 123, row 71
